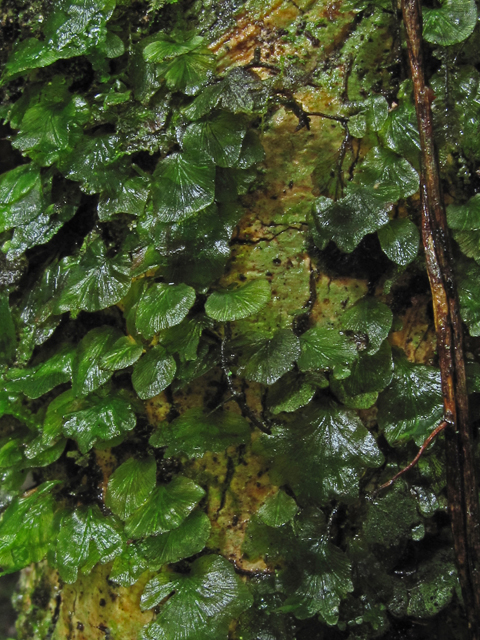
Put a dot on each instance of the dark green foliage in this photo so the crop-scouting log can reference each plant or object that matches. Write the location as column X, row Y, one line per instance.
column 121, row 222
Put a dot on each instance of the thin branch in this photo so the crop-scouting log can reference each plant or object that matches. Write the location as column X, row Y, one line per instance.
column 421, row 451
column 461, row 480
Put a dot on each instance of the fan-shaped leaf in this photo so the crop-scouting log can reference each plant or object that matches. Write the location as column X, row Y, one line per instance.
column 277, row 509
column 165, row 509
column 130, row 485
column 194, row 433
column 86, row 371
column 465, row 217
column 371, row 317
column 266, row 359
column 162, row 306
column 322, row 454
column 412, row 405
column 95, row 282
column 326, row 349
column 399, row 240
column 36, row 381
column 99, row 418
column 235, row 304
column 219, row 139
column 153, row 373
column 363, row 210
column 21, row 198
column 85, row 538
column 294, row 391
column 383, row 167
column 26, row 529
column 182, row 186
column 123, row 353
column 205, row 601
column 184, row 541
column 451, row 23
column 468, row 274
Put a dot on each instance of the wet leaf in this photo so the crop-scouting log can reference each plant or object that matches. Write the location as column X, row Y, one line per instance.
column 235, row 304
column 8, row 339
column 153, row 373
column 411, row 406
column 21, row 198
column 85, row 537
column 451, row 23
column 86, row 370
column 182, row 186
column 162, row 306
column 465, row 217
column 130, row 485
column 370, row 374
column 96, row 281
column 345, row 221
column 293, row 391
column 205, row 601
column 129, row 196
column 277, row 509
column 391, row 517
column 36, row 381
column 218, row 138
column 328, row 350
column 99, row 419
column 196, row 432
column 128, row 566
column 123, row 353
column 73, row 28
column 165, row 509
column 371, row 317
column 321, row 454
column 399, row 240
column 436, row 583
column 266, row 358
column 393, row 173
column 52, row 125
column 184, row 541
column 26, row 529
column 400, row 132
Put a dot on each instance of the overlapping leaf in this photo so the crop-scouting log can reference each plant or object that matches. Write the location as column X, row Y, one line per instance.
column 205, row 601
column 369, row 317
column 195, row 432
column 162, row 306
column 130, row 485
column 267, row 357
column 328, row 350
column 153, row 372
column 235, row 304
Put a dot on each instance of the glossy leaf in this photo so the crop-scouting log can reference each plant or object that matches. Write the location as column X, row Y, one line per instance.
column 52, row 125
column 369, row 317
column 72, row 29
column 205, row 601
column 99, row 419
column 412, row 405
column 182, row 186
column 322, row 454
column 195, row 432
column 277, row 510
column 326, row 349
column 128, row 566
column 21, row 198
column 130, row 196
column 363, row 210
column 162, row 306
column 123, row 353
column 26, row 529
column 218, row 138
column 85, row 535
column 87, row 373
column 465, row 217
column 450, row 23
column 396, row 176
column 165, row 509
column 293, row 391
column 153, row 373
column 399, row 240
column 130, row 485
column 266, row 358
column 8, row 339
column 234, row 304
column 370, row 375
column 184, row 541
column 36, row 381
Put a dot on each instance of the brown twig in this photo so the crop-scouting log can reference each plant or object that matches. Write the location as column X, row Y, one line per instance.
column 420, row 453
column 461, row 480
